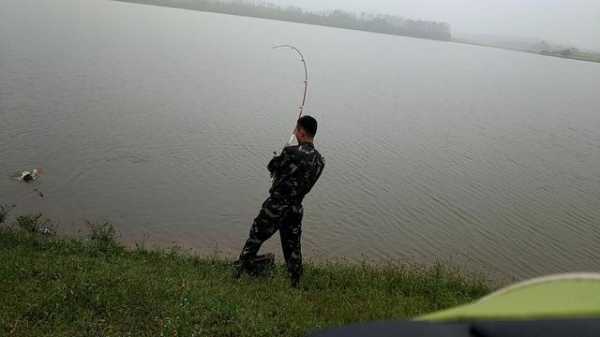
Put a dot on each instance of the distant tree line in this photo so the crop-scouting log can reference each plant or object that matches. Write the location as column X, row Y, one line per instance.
column 386, row 24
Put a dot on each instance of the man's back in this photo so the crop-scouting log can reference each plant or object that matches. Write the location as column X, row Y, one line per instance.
column 295, row 172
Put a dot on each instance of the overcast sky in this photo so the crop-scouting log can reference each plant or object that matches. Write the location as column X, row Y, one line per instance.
column 575, row 22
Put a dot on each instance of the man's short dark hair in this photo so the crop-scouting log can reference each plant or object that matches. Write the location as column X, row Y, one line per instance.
column 308, row 124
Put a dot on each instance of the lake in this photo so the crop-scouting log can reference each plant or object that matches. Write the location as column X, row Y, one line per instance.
column 161, row 121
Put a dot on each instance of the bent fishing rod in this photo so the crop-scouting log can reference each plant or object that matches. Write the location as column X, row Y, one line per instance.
column 301, row 107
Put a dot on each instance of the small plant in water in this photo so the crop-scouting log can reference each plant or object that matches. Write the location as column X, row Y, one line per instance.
column 35, row 224
column 103, row 236
column 105, row 232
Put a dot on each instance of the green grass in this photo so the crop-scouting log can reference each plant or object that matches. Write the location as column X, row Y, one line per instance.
column 54, row 286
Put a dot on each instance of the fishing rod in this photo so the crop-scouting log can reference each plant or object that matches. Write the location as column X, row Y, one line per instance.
column 301, row 107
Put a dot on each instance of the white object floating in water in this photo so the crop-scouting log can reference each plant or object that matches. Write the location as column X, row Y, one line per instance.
column 28, row 176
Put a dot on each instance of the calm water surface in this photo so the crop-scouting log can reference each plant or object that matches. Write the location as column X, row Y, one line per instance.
column 161, row 121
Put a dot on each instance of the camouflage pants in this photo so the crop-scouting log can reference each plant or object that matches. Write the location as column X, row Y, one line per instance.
column 277, row 215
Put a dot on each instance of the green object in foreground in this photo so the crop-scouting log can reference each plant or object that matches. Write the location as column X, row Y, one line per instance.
column 560, row 296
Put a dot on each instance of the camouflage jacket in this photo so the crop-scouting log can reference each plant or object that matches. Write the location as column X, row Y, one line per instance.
column 295, row 171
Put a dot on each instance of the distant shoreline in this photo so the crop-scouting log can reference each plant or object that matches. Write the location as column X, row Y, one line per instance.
column 585, row 57
column 382, row 24
column 577, row 56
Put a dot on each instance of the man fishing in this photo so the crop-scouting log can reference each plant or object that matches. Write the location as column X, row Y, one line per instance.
column 295, row 171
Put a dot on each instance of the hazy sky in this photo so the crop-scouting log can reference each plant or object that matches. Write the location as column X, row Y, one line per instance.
column 575, row 22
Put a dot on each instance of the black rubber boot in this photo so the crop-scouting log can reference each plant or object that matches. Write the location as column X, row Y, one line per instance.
column 262, row 265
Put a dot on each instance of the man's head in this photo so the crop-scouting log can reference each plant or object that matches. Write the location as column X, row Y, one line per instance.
column 306, row 129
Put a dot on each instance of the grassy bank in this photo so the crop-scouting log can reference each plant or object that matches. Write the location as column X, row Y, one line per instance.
column 94, row 287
